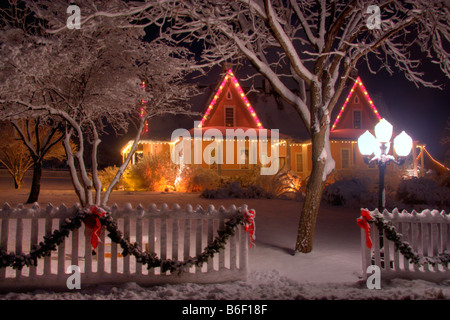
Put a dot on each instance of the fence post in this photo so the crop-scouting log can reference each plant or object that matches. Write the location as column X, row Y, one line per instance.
column 4, row 238
column 19, row 236
column 365, row 254
column 243, row 250
column 61, row 255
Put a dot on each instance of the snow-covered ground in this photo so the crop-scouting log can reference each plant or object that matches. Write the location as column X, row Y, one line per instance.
column 331, row 271
column 261, row 285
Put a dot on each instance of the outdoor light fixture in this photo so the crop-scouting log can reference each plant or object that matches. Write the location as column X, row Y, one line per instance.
column 403, row 144
column 383, row 131
column 379, row 147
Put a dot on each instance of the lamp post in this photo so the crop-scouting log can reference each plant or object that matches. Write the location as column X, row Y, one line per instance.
column 379, row 147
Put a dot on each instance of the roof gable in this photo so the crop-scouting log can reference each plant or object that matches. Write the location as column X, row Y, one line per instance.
column 229, row 97
column 358, row 99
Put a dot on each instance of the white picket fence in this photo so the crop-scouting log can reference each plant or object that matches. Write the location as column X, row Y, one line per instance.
column 428, row 233
column 172, row 233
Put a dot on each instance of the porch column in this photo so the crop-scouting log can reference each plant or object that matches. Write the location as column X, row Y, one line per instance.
column 414, row 155
column 288, row 154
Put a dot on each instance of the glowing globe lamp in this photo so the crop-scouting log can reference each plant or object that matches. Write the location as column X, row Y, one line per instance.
column 383, row 131
column 403, row 144
column 367, row 144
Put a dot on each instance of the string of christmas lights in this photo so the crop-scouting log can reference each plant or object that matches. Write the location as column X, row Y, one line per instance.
column 366, row 94
column 230, row 77
column 422, row 150
column 144, row 105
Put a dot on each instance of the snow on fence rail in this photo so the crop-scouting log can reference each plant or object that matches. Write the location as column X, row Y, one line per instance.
column 171, row 233
column 425, row 234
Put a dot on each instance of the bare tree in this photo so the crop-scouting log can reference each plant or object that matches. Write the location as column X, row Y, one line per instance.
column 90, row 79
column 306, row 49
column 43, row 142
column 14, row 156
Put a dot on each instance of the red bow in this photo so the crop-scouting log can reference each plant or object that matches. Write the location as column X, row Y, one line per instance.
column 92, row 221
column 249, row 224
column 363, row 222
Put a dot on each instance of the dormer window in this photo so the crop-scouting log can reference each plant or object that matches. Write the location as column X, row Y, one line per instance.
column 229, row 116
column 356, row 119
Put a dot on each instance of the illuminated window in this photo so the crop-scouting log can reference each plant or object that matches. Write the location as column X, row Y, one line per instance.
column 244, row 159
column 213, row 155
column 282, row 162
column 345, row 158
column 356, row 119
column 229, row 116
column 299, row 162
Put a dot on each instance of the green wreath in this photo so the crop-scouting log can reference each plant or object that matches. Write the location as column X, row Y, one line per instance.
column 151, row 260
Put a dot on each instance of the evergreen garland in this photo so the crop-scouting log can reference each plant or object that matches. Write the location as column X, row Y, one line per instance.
column 404, row 247
column 151, row 260
column 44, row 248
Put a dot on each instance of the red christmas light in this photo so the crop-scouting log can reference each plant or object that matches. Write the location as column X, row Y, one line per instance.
column 241, row 93
column 366, row 94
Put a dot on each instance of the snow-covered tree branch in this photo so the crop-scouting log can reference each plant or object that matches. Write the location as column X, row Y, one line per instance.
column 91, row 81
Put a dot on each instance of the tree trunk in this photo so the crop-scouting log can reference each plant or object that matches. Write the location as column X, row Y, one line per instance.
column 36, row 183
column 17, row 182
column 124, row 164
column 311, row 204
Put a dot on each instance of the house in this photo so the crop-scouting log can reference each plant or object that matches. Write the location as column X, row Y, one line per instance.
column 228, row 107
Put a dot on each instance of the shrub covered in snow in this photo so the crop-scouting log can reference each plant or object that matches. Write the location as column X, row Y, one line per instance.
column 235, row 190
column 348, row 192
column 153, row 173
column 444, row 179
column 283, row 185
column 107, row 175
column 423, row 191
column 198, row 179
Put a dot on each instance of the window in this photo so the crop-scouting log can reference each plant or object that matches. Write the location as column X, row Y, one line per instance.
column 265, row 160
column 244, row 159
column 299, row 162
column 345, row 158
column 354, row 154
column 356, row 99
column 213, row 155
column 229, row 116
column 282, row 162
column 357, row 119
column 229, row 96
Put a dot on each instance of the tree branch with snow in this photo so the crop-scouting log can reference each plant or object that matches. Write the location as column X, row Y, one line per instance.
column 91, row 81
